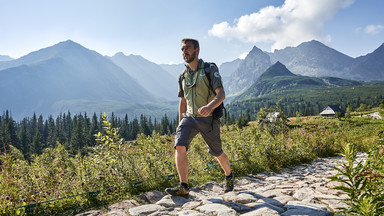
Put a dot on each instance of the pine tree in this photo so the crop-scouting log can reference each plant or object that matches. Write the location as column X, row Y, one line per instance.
column 23, row 137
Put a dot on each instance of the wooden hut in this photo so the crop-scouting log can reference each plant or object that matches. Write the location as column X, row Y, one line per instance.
column 331, row 110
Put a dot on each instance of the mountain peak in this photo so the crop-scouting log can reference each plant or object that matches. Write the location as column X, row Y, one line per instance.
column 68, row 43
column 255, row 49
column 119, row 55
column 380, row 49
column 277, row 69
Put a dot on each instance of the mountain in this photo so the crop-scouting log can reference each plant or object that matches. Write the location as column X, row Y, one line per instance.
column 5, row 58
column 173, row 69
column 248, row 71
column 370, row 66
column 148, row 74
column 278, row 78
column 227, row 68
column 66, row 76
column 314, row 59
column 308, row 59
column 304, row 95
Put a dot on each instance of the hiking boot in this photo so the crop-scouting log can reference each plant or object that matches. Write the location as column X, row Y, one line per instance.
column 229, row 183
column 178, row 191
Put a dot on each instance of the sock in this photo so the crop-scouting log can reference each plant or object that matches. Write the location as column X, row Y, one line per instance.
column 184, row 185
column 230, row 176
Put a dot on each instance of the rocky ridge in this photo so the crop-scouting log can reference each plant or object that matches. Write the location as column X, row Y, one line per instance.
column 299, row 190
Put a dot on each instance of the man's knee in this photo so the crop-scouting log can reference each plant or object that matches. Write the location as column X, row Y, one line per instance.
column 181, row 149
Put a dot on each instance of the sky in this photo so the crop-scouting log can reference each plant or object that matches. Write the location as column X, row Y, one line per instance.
column 226, row 29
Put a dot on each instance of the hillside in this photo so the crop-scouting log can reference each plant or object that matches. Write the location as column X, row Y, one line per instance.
column 304, row 94
column 149, row 75
column 278, row 78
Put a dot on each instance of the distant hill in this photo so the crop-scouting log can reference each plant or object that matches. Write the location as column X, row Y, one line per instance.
column 148, row 74
column 303, row 93
column 278, row 78
column 66, row 76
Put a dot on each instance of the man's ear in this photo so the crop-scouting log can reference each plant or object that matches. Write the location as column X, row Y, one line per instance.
column 198, row 51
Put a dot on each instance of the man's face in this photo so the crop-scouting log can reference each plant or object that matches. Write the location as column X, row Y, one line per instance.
column 189, row 52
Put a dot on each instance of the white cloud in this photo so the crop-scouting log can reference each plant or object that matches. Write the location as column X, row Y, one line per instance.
column 294, row 22
column 373, row 29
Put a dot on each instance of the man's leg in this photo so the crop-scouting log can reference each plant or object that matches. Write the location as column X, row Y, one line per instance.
column 182, row 163
column 224, row 163
column 182, row 169
column 229, row 177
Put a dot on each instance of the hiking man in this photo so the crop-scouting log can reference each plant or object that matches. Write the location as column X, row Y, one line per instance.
column 198, row 99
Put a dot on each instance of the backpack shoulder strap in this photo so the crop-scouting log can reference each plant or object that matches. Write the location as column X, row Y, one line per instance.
column 207, row 69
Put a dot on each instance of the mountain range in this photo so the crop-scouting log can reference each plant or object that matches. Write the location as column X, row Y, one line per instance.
column 309, row 59
column 68, row 76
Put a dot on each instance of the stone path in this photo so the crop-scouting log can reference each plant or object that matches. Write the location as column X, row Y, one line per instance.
column 300, row 190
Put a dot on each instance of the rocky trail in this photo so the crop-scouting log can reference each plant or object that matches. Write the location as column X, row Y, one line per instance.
column 299, row 190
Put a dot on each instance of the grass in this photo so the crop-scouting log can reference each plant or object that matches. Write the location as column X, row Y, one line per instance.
column 148, row 163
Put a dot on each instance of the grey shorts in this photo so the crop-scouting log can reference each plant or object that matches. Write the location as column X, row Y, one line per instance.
column 209, row 129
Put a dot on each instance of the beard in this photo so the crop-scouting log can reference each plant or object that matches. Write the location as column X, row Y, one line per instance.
column 190, row 58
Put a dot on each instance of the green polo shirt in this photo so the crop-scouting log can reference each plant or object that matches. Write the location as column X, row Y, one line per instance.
column 194, row 86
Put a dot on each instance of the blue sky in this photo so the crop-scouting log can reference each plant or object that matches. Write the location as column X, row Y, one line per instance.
column 226, row 29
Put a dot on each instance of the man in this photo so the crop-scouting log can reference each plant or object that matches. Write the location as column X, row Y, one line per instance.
column 197, row 102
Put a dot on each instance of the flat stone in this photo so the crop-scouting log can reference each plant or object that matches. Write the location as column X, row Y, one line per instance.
column 257, row 205
column 271, row 201
column 152, row 196
column 284, row 199
column 145, row 209
column 306, row 212
column 238, row 207
column 91, row 213
column 216, row 209
column 123, row 205
column 304, row 193
column 191, row 205
column 276, row 178
column 172, row 201
column 116, row 213
column 213, row 200
column 189, row 213
column 302, row 206
column 335, row 205
column 242, row 198
column 264, row 211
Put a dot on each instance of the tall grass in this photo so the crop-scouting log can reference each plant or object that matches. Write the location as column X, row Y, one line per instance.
column 57, row 183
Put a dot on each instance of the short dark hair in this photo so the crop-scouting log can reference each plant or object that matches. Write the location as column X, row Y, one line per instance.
column 193, row 41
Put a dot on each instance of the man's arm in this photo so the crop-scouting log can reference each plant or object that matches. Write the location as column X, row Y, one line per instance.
column 219, row 98
column 182, row 107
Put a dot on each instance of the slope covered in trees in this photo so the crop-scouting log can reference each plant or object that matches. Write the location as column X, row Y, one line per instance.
column 75, row 133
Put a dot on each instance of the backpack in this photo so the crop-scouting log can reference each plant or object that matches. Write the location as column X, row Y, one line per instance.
column 218, row 111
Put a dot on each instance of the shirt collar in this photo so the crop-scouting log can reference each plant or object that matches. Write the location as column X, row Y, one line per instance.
column 200, row 66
